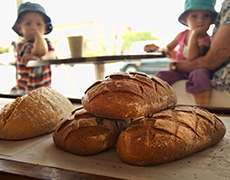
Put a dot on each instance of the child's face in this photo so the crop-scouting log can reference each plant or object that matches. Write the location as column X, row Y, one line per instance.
column 30, row 24
column 198, row 19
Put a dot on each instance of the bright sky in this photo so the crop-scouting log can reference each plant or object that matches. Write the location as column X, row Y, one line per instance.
column 158, row 16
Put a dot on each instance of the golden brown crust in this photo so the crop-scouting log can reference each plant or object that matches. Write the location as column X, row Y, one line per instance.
column 169, row 135
column 85, row 134
column 33, row 114
column 7, row 110
column 128, row 95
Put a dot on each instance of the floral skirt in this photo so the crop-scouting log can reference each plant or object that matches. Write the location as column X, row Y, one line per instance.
column 221, row 78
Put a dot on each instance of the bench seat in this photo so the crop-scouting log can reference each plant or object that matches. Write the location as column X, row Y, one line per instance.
column 218, row 98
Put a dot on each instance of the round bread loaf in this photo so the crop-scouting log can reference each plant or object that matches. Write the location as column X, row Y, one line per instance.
column 128, row 95
column 169, row 135
column 33, row 114
column 85, row 134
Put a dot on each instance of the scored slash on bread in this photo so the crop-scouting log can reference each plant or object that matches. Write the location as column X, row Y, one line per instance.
column 85, row 134
column 158, row 132
column 36, row 113
column 169, row 135
column 128, row 95
column 7, row 110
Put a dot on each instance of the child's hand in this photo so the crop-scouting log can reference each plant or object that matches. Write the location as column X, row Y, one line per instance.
column 201, row 31
column 32, row 35
column 168, row 53
column 151, row 48
column 28, row 57
column 165, row 51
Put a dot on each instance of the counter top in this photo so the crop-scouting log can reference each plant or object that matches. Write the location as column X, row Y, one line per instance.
column 94, row 59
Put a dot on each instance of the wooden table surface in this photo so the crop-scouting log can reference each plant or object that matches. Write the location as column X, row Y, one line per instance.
column 19, row 170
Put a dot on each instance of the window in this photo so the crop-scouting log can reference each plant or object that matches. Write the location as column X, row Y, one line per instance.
column 102, row 24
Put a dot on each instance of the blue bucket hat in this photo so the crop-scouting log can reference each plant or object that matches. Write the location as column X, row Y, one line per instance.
column 198, row 5
column 32, row 7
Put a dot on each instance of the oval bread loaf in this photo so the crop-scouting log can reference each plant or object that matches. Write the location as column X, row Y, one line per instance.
column 128, row 95
column 169, row 135
column 85, row 134
column 33, row 114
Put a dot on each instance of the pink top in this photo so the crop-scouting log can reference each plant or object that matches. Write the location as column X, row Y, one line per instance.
column 180, row 42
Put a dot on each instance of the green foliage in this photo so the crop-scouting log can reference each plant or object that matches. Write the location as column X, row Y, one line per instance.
column 4, row 49
column 130, row 37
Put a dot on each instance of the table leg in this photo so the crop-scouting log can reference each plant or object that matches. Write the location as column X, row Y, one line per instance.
column 99, row 71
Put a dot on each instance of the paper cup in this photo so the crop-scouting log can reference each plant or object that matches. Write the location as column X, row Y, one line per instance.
column 75, row 46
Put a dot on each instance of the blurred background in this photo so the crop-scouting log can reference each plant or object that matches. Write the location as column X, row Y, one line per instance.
column 109, row 27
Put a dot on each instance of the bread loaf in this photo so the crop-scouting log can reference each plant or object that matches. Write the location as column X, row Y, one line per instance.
column 169, row 135
column 33, row 114
column 128, row 95
column 85, row 134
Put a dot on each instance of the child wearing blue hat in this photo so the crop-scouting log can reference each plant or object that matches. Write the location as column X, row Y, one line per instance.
column 32, row 23
column 198, row 15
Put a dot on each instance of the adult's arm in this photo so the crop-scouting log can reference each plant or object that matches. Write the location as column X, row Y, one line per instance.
column 215, row 57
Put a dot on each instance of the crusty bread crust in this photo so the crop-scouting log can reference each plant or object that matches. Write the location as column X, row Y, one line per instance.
column 169, row 135
column 128, row 95
column 85, row 134
column 33, row 114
